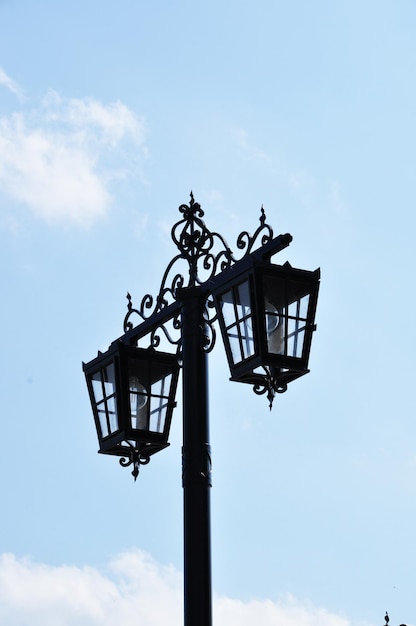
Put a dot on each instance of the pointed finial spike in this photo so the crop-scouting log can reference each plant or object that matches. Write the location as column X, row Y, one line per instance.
column 135, row 471
column 263, row 216
column 270, row 397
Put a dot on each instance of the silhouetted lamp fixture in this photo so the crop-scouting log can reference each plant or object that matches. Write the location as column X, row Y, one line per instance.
column 132, row 393
column 266, row 314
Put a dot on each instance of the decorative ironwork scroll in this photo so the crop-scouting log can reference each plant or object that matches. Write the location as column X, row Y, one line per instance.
column 203, row 254
column 247, row 241
column 137, row 456
column 269, row 384
column 196, row 245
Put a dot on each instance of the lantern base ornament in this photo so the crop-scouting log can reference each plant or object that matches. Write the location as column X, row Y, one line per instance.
column 271, row 384
column 139, row 455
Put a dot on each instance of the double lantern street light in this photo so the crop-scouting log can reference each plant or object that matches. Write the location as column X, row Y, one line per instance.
column 266, row 314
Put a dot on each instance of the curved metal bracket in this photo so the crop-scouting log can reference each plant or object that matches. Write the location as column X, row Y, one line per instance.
column 139, row 456
column 205, row 254
column 270, row 385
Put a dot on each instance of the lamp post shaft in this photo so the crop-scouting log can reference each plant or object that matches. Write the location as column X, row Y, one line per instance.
column 196, row 463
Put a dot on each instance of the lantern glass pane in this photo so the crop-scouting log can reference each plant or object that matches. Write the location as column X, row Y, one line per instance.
column 104, row 390
column 246, row 338
column 286, row 300
column 243, row 300
column 150, row 385
column 97, row 387
column 158, row 409
column 102, row 416
column 112, row 414
column 295, row 337
column 109, row 386
column 159, row 403
column 235, row 347
column 227, row 308
column 236, row 312
column 303, row 307
column 109, row 379
column 161, row 387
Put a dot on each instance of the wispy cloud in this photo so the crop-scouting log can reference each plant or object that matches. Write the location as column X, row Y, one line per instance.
column 10, row 84
column 133, row 585
column 112, row 123
column 60, row 158
column 52, row 173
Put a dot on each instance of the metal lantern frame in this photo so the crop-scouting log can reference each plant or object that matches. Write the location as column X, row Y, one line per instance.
column 256, row 304
column 132, row 392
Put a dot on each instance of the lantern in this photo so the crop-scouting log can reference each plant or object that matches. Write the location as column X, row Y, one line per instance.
column 266, row 314
column 132, row 393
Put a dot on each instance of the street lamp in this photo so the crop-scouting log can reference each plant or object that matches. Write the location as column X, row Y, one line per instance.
column 266, row 314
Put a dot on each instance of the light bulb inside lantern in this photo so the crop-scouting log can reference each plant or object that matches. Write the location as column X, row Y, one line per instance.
column 138, row 397
column 272, row 317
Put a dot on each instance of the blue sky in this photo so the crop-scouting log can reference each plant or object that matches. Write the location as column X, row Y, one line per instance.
column 110, row 113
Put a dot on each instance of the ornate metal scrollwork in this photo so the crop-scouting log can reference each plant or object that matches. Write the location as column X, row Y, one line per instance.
column 138, row 456
column 204, row 254
column 247, row 241
column 269, row 384
column 196, row 245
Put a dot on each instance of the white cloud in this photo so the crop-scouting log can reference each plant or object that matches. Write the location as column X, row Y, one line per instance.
column 134, row 589
column 10, row 84
column 286, row 613
column 113, row 122
column 58, row 159
column 39, row 594
column 51, row 173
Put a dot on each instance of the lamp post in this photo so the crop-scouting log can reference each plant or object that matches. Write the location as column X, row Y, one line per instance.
column 266, row 315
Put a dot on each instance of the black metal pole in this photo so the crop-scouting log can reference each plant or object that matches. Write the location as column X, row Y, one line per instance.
column 196, row 463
